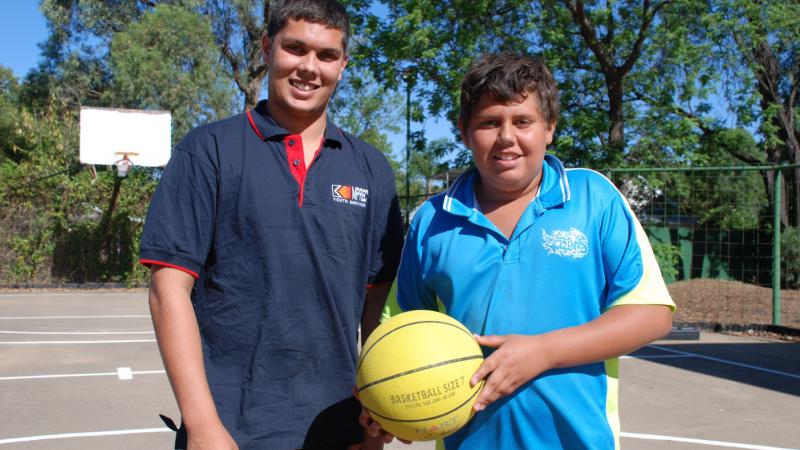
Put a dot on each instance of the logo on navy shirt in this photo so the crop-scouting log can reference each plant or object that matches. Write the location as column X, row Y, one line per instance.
column 572, row 243
column 351, row 195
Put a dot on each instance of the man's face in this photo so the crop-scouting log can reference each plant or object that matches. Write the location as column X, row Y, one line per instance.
column 508, row 142
column 306, row 61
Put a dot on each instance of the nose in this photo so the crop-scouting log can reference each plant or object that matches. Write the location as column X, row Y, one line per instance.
column 505, row 135
column 309, row 64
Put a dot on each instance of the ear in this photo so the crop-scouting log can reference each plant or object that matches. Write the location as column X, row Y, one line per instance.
column 265, row 49
column 344, row 64
column 551, row 132
column 464, row 137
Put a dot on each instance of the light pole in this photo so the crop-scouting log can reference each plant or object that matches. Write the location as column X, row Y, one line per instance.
column 408, row 77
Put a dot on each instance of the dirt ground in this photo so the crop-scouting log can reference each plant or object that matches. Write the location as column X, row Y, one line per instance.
column 734, row 306
column 714, row 305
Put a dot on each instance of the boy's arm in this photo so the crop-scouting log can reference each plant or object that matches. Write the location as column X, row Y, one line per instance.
column 179, row 342
column 373, row 307
column 520, row 358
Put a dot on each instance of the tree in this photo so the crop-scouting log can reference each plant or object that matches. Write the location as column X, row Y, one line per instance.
column 167, row 60
column 83, row 31
column 429, row 161
column 601, row 53
column 238, row 28
column 757, row 47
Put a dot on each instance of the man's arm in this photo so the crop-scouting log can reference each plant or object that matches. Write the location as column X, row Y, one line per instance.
column 520, row 358
column 179, row 342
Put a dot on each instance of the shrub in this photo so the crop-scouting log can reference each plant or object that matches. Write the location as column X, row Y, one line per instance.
column 790, row 257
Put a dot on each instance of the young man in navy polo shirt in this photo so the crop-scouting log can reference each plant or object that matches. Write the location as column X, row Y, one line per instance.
column 272, row 236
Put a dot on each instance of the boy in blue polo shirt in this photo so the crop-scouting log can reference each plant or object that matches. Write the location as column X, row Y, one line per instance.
column 272, row 236
column 548, row 266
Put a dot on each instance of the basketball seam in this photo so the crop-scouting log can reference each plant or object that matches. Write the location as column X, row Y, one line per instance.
column 432, row 417
column 419, row 369
column 364, row 355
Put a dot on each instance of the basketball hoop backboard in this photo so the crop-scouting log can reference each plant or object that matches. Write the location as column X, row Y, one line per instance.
column 125, row 137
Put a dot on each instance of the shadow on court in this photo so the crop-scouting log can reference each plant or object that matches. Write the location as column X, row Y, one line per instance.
column 767, row 365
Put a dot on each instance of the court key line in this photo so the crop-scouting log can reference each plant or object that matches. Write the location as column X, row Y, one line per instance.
column 164, row 430
column 138, row 316
column 75, row 332
column 79, row 435
column 654, row 437
column 123, row 373
column 128, row 341
column 725, row 361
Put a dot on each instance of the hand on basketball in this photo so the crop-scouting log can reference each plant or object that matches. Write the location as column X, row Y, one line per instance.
column 372, row 428
column 517, row 360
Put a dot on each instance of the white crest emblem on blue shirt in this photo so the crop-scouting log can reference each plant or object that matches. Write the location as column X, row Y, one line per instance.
column 572, row 243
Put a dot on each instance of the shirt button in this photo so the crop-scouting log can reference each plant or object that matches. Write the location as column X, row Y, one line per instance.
column 296, row 162
column 291, row 142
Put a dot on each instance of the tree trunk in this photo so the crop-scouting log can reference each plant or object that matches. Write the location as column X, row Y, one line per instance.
column 616, row 120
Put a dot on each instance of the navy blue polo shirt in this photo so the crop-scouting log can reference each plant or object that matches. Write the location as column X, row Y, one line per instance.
column 283, row 255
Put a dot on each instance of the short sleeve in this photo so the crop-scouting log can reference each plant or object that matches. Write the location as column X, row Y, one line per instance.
column 386, row 231
column 179, row 227
column 631, row 269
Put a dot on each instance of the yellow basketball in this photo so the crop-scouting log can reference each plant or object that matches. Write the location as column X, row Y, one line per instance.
column 413, row 375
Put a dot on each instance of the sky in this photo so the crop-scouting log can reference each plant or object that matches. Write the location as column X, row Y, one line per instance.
column 23, row 27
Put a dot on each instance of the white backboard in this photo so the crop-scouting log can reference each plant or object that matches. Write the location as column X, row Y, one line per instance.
column 107, row 134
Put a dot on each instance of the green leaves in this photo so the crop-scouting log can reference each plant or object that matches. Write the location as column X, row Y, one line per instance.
column 168, row 60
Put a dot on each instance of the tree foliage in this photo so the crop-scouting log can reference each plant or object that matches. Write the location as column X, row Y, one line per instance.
column 167, row 60
column 642, row 82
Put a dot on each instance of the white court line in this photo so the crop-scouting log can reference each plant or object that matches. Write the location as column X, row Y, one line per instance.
column 119, row 374
column 74, row 294
column 130, row 341
column 75, row 332
column 76, row 317
column 725, row 361
column 654, row 437
column 655, row 356
column 79, row 435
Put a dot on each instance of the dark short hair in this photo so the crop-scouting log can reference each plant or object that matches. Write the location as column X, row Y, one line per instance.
column 507, row 77
column 330, row 13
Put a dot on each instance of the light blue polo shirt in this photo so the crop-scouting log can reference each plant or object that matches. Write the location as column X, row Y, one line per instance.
column 577, row 251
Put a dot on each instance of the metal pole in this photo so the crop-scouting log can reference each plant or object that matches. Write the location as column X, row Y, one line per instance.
column 407, row 75
column 776, row 251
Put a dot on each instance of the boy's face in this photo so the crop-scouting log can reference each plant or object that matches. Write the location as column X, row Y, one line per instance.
column 508, row 142
column 306, row 61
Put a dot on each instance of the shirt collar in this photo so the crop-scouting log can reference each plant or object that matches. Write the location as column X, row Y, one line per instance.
column 267, row 129
column 554, row 190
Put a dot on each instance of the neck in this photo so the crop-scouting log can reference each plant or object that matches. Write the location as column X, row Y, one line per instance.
column 491, row 199
column 310, row 128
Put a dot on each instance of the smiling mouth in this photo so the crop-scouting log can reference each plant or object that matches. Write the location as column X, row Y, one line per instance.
column 305, row 87
column 505, row 157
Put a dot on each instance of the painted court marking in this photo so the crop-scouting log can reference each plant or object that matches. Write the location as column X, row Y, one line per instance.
column 75, row 332
column 123, row 373
column 725, row 361
column 128, row 341
column 137, row 316
column 654, row 437
column 79, row 435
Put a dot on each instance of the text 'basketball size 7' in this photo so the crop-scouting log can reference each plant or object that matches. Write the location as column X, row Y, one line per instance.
column 413, row 375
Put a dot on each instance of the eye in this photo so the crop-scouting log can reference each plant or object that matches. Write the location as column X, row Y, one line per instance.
column 328, row 56
column 294, row 49
column 523, row 123
column 487, row 124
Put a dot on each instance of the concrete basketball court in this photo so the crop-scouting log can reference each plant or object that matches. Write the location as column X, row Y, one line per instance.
column 81, row 370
